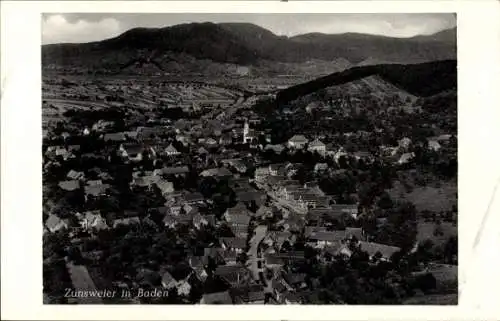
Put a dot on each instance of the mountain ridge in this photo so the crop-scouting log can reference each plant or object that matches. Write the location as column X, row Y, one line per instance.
column 247, row 44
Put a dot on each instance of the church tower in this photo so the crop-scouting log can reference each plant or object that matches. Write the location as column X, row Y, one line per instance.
column 246, row 131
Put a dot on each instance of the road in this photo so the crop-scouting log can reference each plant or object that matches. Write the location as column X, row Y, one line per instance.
column 253, row 253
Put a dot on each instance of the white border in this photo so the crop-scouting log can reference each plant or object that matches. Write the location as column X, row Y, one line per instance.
column 479, row 159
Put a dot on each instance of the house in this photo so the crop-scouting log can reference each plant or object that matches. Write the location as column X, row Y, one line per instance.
column 165, row 187
column 233, row 275
column 291, row 169
column 292, row 256
column 219, row 172
column 294, row 281
column 317, row 146
column 225, row 140
column 202, row 151
column 312, row 106
column 196, row 263
column 145, row 181
column 74, row 175
column 230, row 257
column 433, row 145
column 354, row 232
column 114, row 137
column 211, row 219
column 239, row 166
column 350, row 209
column 194, row 198
column 236, row 244
column 279, row 288
column 320, row 167
column 64, row 153
column 131, row 135
column 276, row 169
column 248, row 294
column 261, row 174
column 294, row 223
column 238, row 215
column 210, row 142
column 199, row 221
column 405, row 158
column 171, row 150
column 338, row 249
column 321, row 239
column 291, row 298
column 102, row 125
column 372, row 249
column 239, row 230
column 168, row 281
column 297, row 142
column 54, row 223
column 339, row 153
column 216, row 298
column 363, row 155
column 170, row 220
column 96, row 190
column 69, row 185
column 94, row 182
column 273, row 262
column 93, row 220
column 134, row 152
column 264, row 212
column 183, row 139
column 126, row 221
column 214, row 253
column 277, row 238
column 183, row 288
column 73, row 148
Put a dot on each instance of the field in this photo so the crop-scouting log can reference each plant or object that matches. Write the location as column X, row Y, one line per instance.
column 430, row 198
column 426, row 232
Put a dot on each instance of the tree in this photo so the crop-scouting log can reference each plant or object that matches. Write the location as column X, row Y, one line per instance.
column 426, row 282
column 242, row 258
column 385, row 202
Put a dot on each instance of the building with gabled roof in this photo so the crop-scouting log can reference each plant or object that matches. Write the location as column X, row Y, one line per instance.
column 69, row 185
column 171, row 150
column 54, row 223
column 317, row 146
column 297, row 142
column 372, row 249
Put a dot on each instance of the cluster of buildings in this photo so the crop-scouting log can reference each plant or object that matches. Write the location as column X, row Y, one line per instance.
column 272, row 214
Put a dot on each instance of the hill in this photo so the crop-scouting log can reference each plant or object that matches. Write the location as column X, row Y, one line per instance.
column 248, row 44
column 199, row 40
column 359, row 47
column 425, row 79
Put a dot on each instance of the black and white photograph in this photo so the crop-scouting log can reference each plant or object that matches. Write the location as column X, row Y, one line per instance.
column 249, row 158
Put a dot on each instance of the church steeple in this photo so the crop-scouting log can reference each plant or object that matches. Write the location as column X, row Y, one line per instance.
column 246, row 131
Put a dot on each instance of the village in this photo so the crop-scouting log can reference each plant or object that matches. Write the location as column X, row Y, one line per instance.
column 183, row 189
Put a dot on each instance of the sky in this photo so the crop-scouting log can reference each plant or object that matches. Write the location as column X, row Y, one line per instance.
column 86, row 27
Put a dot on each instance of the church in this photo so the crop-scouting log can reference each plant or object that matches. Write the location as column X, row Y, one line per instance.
column 248, row 134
